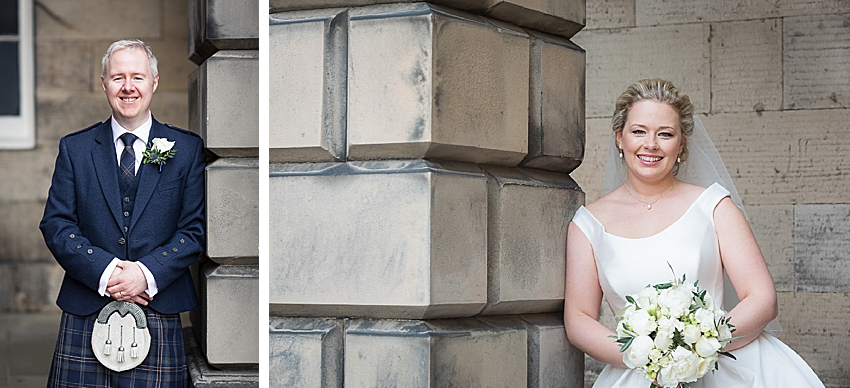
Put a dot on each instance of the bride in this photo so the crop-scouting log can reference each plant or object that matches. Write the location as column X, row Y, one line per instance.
column 656, row 216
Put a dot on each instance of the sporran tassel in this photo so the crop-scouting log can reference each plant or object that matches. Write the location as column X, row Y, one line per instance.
column 120, row 357
column 134, row 347
column 107, row 349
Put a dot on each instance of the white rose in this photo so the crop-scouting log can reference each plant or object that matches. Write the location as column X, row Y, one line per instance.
column 663, row 340
column 642, row 323
column 705, row 319
column 706, row 364
column 683, row 367
column 691, row 333
column 647, row 298
column 723, row 333
column 676, row 300
column 637, row 355
column 162, row 144
column 707, row 347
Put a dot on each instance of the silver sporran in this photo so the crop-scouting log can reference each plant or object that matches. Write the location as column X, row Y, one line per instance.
column 121, row 339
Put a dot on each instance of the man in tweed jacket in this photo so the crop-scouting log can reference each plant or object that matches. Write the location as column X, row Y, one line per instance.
column 123, row 229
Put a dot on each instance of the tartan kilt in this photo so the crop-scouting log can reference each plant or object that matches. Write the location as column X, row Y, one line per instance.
column 74, row 363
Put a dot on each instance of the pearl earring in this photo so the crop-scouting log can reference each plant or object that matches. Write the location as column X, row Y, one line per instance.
column 621, row 154
column 678, row 159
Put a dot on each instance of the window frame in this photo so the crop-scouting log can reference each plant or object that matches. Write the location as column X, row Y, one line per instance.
column 18, row 132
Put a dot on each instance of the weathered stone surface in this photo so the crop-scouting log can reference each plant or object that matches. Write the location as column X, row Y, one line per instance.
column 28, row 173
column 64, row 20
column 204, row 375
column 815, row 326
column 610, row 14
column 174, row 18
column 224, row 107
column 64, row 65
column 305, row 352
column 19, row 234
column 746, row 66
column 590, row 174
column 556, row 104
column 401, row 239
column 821, row 248
column 773, row 226
column 773, row 160
column 620, row 57
column 654, row 12
column 233, row 215
column 816, row 61
column 439, row 353
column 222, row 25
column 528, row 213
column 552, row 360
column 69, row 112
column 173, row 66
column 29, row 287
column 457, row 86
column 307, row 112
column 229, row 314
column 558, row 17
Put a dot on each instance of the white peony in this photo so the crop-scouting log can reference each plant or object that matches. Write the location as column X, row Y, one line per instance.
column 637, row 355
column 647, row 298
column 707, row 347
column 162, row 144
column 683, row 367
column 675, row 300
column 706, row 364
column 641, row 322
column 691, row 333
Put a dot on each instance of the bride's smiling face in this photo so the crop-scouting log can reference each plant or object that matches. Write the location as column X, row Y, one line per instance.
column 651, row 140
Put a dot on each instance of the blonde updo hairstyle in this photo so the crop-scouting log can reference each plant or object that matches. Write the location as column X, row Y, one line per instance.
column 657, row 90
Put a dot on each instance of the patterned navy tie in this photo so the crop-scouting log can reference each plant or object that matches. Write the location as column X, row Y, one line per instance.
column 128, row 159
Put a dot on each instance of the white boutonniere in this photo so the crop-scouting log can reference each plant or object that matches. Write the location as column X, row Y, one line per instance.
column 158, row 152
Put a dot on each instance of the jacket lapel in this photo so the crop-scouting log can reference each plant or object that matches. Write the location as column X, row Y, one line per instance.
column 106, row 167
column 150, row 178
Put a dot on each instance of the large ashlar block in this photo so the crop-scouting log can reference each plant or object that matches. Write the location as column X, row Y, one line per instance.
column 528, row 214
column 552, row 360
column 559, row 17
column 610, row 14
column 308, row 76
column 222, row 25
column 681, row 53
column 426, row 82
column 204, row 375
column 305, row 352
column 223, row 104
column 229, row 314
column 384, row 239
column 440, row 353
column 556, row 104
column 84, row 19
column 821, row 248
column 773, row 226
column 815, row 60
column 233, row 215
column 655, row 12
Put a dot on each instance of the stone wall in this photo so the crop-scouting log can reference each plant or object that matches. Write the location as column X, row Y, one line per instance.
column 70, row 39
column 771, row 81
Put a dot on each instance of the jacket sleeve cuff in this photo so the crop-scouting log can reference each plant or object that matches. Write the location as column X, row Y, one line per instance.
column 104, row 278
column 152, row 288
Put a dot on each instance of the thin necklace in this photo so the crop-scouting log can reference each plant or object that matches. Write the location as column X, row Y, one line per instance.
column 649, row 205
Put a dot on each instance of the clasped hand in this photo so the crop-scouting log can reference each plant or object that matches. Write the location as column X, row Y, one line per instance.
column 128, row 283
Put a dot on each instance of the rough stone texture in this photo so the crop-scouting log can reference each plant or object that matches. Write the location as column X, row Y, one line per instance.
column 88, row 19
column 307, row 117
column 552, row 361
column 29, row 287
column 31, row 171
column 817, row 61
column 590, row 174
column 224, row 107
column 815, row 326
column 233, row 215
column 653, row 12
column 401, row 239
column 785, row 157
column 229, row 314
column 746, row 66
column 70, row 69
column 438, row 353
column 556, row 104
column 305, row 352
column 19, row 234
column 822, row 248
column 558, row 17
column 457, row 86
column 222, row 25
column 528, row 214
column 610, row 13
column 773, row 226
column 204, row 375
column 679, row 53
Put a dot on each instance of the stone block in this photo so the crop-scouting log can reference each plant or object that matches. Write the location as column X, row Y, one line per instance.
column 528, row 213
column 64, row 65
column 171, row 108
column 552, row 360
column 680, row 54
column 557, row 17
column 233, row 215
column 307, row 113
column 821, row 248
column 610, row 14
column 173, row 66
column 204, row 375
column 174, row 18
column 785, row 157
column 556, row 105
column 456, row 84
column 773, row 226
column 655, row 12
column 223, row 106
column 390, row 239
column 816, row 74
column 815, row 326
column 589, row 175
column 440, row 353
column 222, row 25
column 19, row 234
column 29, row 287
column 305, row 352
column 86, row 19
column 746, row 66
column 229, row 314
column 64, row 112
column 29, row 174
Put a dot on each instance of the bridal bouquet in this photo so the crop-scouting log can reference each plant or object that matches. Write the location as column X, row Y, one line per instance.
column 672, row 333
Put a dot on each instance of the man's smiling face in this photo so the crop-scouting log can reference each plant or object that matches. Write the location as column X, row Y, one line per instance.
column 129, row 86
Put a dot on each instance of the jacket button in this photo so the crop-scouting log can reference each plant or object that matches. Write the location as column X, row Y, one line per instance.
column 182, row 241
column 126, row 229
column 121, row 241
column 126, row 214
column 165, row 253
column 90, row 251
column 79, row 246
column 174, row 249
column 72, row 235
column 126, row 199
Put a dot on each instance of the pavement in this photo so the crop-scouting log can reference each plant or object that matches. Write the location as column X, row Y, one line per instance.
column 26, row 348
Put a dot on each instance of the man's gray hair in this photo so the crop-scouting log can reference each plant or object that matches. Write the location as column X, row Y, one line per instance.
column 129, row 44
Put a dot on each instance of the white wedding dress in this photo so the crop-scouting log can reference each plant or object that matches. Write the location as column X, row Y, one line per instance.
column 626, row 266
